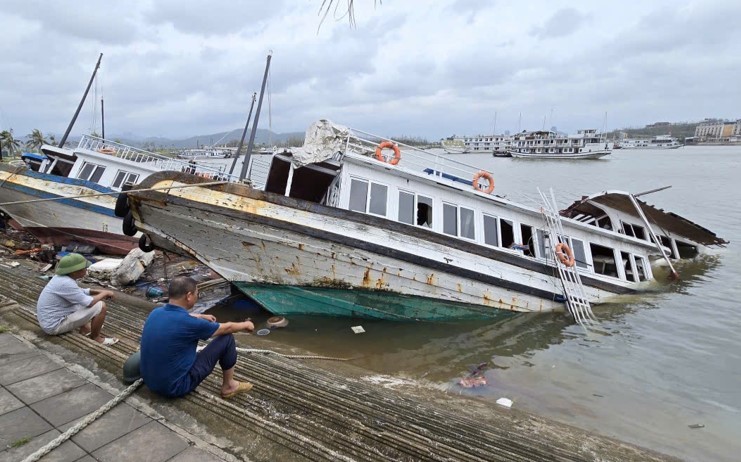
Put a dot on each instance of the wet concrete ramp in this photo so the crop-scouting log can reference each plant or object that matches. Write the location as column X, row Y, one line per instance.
column 316, row 410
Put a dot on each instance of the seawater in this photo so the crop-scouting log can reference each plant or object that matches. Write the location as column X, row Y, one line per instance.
column 652, row 368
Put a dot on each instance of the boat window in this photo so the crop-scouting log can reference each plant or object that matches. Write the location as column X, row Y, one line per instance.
column 378, row 196
column 406, row 207
column 527, row 240
column 468, row 228
column 641, row 268
column 450, row 219
column 580, row 256
column 604, row 222
column 686, row 250
column 540, row 234
column 491, row 230
column 666, row 242
column 634, row 230
column 358, row 195
column 91, row 172
column 604, row 260
column 508, row 233
column 628, row 267
column 123, row 177
column 424, row 211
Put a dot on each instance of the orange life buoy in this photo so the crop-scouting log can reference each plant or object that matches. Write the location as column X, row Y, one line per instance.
column 565, row 255
column 388, row 144
column 107, row 151
column 488, row 176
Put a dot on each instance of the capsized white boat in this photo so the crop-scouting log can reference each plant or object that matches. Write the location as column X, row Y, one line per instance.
column 347, row 227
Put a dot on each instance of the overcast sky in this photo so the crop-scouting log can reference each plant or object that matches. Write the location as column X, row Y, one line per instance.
column 177, row 68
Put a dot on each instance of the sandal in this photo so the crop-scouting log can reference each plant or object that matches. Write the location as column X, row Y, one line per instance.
column 108, row 341
column 241, row 388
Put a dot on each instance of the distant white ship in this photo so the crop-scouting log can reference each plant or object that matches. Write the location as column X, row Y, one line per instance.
column 657, row 142
column 586, row 144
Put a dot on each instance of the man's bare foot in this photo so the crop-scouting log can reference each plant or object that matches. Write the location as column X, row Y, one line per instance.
column 106, row 340
column 85, row 330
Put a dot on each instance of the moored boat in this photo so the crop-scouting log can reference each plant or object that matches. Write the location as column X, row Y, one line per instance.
column 657, row 142
column 586, row 144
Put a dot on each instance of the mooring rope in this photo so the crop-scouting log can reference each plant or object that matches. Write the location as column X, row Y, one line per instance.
column 83, row 423
column 328, row 358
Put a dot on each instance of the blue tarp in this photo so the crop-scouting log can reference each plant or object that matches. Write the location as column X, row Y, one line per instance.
column 33, row 156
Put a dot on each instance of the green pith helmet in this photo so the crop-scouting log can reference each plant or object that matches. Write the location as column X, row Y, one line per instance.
column 131, row 368
column 70, row 263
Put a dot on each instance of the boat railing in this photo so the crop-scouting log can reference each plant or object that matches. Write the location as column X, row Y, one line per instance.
column 153, row 160
column 414, row 158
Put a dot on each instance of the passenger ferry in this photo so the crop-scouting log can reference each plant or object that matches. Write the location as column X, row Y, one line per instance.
column 586, row 144
column 657, row 142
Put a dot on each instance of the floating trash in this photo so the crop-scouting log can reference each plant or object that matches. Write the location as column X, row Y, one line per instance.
column 277, row 321
column 357, row 329
column 472, row 382
column 506, row 402
column 262, row 332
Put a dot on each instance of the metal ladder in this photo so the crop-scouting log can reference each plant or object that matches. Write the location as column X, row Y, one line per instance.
column 576, row 300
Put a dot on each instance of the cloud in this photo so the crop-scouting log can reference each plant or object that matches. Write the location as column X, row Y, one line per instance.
column 417, row 68
column 563, row 23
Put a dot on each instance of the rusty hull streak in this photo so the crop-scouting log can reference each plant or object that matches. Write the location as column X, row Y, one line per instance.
column 431, row 279
column 366, row 278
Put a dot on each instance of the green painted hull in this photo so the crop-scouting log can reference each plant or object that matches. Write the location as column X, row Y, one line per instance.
column 357, row 303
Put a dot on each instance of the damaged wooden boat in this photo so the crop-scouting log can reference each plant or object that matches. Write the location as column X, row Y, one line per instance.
column 65, row 195
column 356, row 225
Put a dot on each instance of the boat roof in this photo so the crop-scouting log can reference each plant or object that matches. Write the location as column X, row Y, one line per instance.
column 668, row 221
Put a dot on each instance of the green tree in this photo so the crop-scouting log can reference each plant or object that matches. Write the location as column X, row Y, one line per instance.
column 8, row 142
column 36, row 140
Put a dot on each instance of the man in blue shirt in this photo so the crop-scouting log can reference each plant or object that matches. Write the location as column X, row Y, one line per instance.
column 170, row 364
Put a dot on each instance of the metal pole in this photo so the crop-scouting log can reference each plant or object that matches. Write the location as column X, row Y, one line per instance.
column 244, row 133
column 251, row 143
column 653, row 235
column 82, row 101
column 102, row 118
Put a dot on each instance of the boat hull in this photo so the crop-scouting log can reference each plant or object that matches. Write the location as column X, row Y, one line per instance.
column 256, row 238
column 360, row 303
column 578, row 155
column 85, row 220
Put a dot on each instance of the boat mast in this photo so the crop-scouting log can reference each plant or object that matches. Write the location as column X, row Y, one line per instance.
column 251, row 143
column 82, row 101
column 244, row 133
column 102, row 118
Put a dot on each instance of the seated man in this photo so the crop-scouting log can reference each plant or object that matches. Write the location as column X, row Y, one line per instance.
column 64, row 306
column 170, row 364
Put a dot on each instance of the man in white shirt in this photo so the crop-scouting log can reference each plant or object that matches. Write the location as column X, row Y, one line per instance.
column 64, row 306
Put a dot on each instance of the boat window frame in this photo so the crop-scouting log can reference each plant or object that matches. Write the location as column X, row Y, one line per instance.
column 497, row 233
column 369, row 187
column 95, row 169
column 127, row 177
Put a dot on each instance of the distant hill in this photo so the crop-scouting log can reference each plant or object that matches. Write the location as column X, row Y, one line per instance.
column 679, row 130
column 262, row 138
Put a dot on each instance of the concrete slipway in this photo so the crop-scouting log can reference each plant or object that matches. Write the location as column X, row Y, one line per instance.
column 299, row 409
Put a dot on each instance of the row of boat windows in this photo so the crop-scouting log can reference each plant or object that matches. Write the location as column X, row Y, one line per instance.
column 94, row 172
column 416, row 209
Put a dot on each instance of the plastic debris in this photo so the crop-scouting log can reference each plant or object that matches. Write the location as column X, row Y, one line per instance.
column 506, row 402
column 357, row 329
column 262, row 332
column 697, row 425
column 473, row 381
